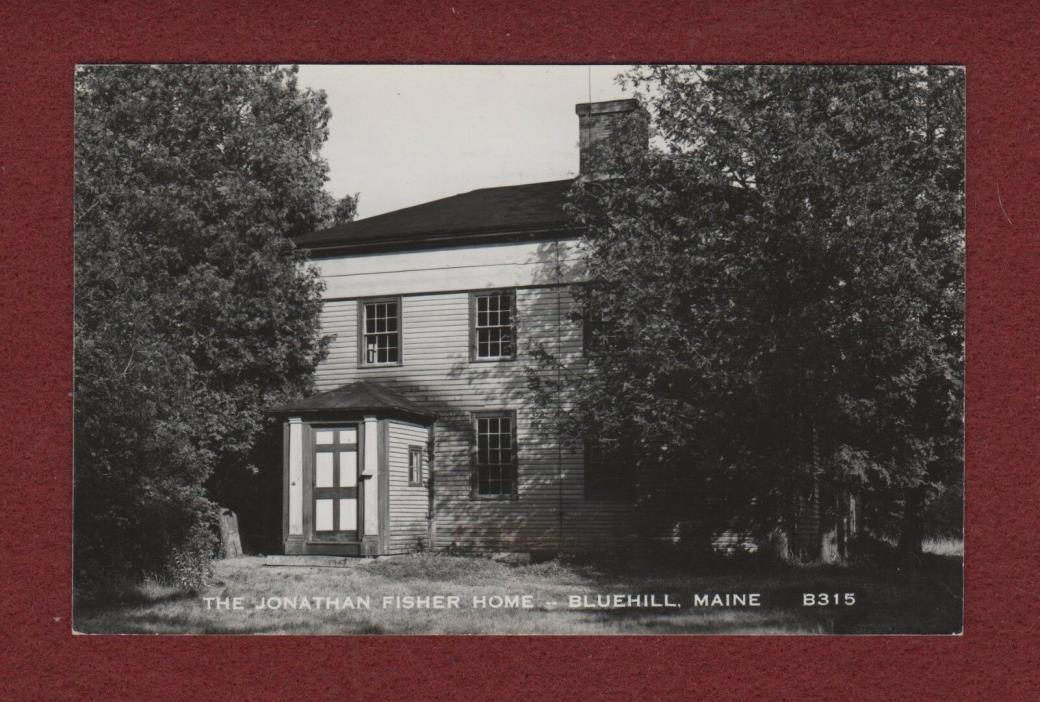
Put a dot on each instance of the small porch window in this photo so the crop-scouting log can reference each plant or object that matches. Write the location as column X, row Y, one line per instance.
column 415, row 465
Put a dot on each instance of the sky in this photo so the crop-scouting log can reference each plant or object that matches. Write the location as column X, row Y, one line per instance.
column 402, row 135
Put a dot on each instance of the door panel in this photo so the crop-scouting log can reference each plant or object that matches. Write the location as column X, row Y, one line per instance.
column 348, row 469
column 348, row 511
column 323, row 520
column 324, row 468
column 335, row 490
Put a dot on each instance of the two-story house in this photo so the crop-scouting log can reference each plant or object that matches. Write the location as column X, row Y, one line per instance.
column 421, row 434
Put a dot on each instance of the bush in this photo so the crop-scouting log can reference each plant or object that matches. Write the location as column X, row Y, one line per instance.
column 190, row 562
column 193, row 311
column 944, row 511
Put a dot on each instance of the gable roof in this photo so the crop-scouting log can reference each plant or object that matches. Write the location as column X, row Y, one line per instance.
column 360, row 396
column 509, row 209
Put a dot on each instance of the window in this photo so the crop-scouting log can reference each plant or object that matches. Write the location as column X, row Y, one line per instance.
column 381, row 332
column 608, row 475
column 494, row 460
column 591, row 331
column 415, row 467
column 597, row 335
column 494, row 332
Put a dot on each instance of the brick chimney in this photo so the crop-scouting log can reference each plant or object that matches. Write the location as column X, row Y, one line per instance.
column 607, row 126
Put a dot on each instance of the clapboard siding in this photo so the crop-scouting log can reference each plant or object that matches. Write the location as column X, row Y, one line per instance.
column 408, row 504
column 550, row 510
column 457, row 268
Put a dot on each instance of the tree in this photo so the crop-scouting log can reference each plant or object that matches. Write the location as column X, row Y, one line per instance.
column 335, row 212
column 345, row 209
column 777, row 291
column 193, row 310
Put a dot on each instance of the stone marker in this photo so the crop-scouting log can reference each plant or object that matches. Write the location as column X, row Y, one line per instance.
column 230, row 541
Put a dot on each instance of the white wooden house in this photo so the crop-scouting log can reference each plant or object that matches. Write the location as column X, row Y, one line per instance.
column 421, row 435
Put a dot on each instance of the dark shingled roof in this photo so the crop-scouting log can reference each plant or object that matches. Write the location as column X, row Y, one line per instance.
column 513, row 208
column 360, row 396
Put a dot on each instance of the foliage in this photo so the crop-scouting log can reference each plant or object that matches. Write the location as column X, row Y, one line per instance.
column 776, row 289
column 345, row 209
column 190, row 560
column 334, row 212
column 193, row 310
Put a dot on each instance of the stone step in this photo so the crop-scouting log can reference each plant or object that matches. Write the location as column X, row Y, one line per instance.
column 315, row 561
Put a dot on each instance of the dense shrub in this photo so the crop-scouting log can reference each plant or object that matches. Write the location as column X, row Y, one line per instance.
column 193, row 310
column 188, row 564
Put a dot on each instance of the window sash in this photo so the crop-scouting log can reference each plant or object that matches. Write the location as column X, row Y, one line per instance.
column 494, row 325
column 415, row 465
column 380, row 332
column 495, row 456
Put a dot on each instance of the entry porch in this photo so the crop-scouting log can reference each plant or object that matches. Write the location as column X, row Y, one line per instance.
column 355, row 472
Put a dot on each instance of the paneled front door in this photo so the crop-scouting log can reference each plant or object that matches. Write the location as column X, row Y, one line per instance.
column 335, row 493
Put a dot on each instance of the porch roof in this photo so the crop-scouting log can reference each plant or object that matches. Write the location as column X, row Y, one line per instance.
column 359, row 397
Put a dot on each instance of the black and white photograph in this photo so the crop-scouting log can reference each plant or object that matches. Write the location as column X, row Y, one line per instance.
column 518, row 349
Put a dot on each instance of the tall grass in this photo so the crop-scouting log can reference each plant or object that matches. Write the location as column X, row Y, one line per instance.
column 944, row 546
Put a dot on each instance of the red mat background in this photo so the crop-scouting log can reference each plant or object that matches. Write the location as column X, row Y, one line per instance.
column 996, row 658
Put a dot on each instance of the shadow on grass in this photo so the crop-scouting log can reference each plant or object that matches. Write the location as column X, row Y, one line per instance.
column 144, row 594
column 889, row 599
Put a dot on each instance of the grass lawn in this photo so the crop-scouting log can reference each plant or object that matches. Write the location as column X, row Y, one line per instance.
column 886, row 600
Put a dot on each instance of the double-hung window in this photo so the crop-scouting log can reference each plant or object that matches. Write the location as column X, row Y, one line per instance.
column 494, row 458
column 494, row 325
column 380, row 332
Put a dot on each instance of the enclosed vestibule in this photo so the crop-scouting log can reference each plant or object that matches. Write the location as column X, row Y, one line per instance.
column 356, row 472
